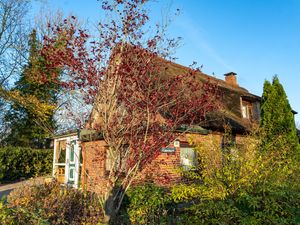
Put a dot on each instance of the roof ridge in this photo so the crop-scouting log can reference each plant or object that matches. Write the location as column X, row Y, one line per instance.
column 209, row 77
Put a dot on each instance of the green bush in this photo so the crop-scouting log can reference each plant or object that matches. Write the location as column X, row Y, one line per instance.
column 266, row 204
column 244, row 186
column 241, row 186
column 19, row 215
column 146, row 204
column 279, row 205
column 17, row 162
column 51, row 204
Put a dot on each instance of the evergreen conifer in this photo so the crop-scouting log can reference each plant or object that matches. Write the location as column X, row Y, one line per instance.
column 25, row 129
column 277, row 118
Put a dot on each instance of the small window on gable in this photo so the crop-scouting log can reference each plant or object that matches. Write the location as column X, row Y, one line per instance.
column 250, row 108
column 246, row 109
column 245, row 112
column 188, row 158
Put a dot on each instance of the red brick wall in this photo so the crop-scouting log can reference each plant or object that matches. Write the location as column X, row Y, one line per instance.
column 163, row 170
column 93, row 168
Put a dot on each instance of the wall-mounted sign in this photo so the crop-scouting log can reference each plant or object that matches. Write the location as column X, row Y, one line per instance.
column 168, row 149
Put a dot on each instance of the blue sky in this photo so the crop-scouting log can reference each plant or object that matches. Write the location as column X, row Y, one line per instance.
column 254, row 38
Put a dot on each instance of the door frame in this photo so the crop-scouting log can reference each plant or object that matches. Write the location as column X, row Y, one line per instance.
column 70, row 140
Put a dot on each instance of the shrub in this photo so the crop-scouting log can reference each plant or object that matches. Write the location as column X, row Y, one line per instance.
column 19, row 216
column 278, row 205
column 17, row 162
column 241, row 185
column 51, row 204
column 145, row 204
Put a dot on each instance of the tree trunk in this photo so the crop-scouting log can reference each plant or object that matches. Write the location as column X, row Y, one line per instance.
column 109, row 211
column 110, row 207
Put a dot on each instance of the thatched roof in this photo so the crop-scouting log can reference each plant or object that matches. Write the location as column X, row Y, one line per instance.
column 230, row 112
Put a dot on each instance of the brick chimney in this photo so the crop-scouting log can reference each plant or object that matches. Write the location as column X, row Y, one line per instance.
column 230, row 78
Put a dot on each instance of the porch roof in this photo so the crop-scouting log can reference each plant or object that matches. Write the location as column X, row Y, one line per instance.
column 86, row 135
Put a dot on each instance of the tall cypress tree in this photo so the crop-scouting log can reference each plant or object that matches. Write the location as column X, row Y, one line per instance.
column 266, row 106
column 277, row 119
column 25, row 128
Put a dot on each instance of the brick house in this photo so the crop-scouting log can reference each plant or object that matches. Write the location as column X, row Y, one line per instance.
column 81, row 158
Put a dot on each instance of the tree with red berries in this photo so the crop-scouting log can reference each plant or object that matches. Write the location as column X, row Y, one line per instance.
column 137, row 105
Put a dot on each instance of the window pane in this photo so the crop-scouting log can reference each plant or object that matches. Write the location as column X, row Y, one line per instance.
column 60, row 174
column 244, row 111
column 72, row 152
column 71, row 175
column 188, row 158
column 60, row 152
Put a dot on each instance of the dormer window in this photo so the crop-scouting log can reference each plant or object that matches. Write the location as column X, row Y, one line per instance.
column 245, row 110
column 250, row 108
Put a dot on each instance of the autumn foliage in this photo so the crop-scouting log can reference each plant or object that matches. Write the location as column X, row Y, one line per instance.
column 138, row 105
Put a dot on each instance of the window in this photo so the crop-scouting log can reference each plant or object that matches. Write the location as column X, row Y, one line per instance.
column 61, row 152
column 72, row 174
column 250, row 108
column 72, row 152
column 188, row 158
column 245, row 110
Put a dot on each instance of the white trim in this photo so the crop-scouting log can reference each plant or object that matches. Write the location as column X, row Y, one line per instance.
column 73, row 137
column 77, row 150
column 75, row 163
column 60, row 164
column 54, row 157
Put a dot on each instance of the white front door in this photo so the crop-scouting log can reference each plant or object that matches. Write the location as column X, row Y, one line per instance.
column 67, row 160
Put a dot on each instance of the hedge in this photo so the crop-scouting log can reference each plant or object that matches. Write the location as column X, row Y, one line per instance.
column 149, row 204
column 22, row 163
